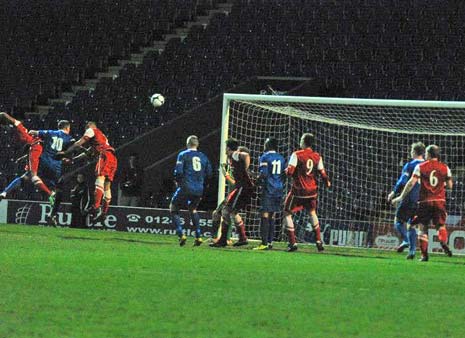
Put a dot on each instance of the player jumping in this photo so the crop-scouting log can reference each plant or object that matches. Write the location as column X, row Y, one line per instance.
column 191, row 171
column 303, row 167
column 434, row 176
column 104, row 170
column 50, row 168
column 407, row 208
column 34, row 151
column 239, row 197
column 271, row 166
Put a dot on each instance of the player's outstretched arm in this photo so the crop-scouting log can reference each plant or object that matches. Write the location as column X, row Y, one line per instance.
column 76, row 145
column 408, row 187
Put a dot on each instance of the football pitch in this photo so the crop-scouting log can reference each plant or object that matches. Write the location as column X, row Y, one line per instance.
column 81, row 283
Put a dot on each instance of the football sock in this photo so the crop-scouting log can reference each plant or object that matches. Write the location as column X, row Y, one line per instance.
column 58, row 200
column 400, row 227
column 98, row 194
column 241, row 230
column 412, row 240
column 271, row 229
column 106, row 206
column 424, row 244
column 316, row 228
column 442, row 234
column 216, row 225
column 264, row 227
column 291, row 234
column 13, row 184
column 177, row 223
column 40, row 185
column 196, row 222
column 224, row 232
column 229, row 230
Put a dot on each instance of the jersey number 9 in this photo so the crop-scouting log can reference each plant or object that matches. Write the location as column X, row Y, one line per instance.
column 309, row 167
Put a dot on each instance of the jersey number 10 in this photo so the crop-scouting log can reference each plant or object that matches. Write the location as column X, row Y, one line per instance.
column 57, row 143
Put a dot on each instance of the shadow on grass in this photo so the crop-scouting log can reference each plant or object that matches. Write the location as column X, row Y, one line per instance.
column 114, row 239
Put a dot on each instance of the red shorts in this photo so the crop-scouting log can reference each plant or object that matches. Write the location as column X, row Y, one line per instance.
column 23, row 135
column 431, row 211
column 33, row 158
column 106, row 165
column 239, row 198
column 294, row 203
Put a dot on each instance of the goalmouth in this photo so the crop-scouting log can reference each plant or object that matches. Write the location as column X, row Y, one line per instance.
column 364, row 144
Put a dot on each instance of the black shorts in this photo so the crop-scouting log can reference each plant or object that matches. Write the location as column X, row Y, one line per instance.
column 239, row 198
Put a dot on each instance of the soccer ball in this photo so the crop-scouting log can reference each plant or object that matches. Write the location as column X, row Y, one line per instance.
column 157, row 100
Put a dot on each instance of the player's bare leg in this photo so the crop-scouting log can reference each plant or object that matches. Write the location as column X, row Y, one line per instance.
column 7, row 119
column 316, row 228
column 443, row 236
column 240, row 228
column 289, row 224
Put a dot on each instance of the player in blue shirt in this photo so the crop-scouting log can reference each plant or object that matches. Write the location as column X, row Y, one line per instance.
column 50, row 168
column 407, row 208
column 192, row 169
column 271, row 168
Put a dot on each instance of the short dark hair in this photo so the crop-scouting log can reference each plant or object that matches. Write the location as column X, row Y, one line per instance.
column 62, row 124
column 308, row 139
column 244, row 149
column 91, row 123
column 271, row 144
column 232, row 144
column 433, row 151
column 418, row 148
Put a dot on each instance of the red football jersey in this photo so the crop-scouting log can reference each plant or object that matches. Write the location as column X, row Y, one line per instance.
column 433, row 175
column 23, row 135
column 239, row 171
column 303, row 167
column 97, row 140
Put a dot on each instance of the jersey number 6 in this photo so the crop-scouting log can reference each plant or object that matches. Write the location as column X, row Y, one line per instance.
column 196, row 163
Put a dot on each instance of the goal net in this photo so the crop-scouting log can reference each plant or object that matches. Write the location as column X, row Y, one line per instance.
column 364, row 144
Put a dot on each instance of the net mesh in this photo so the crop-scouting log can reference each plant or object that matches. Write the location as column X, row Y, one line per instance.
column 364, row 148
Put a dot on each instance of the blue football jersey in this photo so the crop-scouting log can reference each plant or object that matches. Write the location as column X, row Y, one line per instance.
column 271, row 167
column 192, row 168
column 406, row 174
column 54, row 141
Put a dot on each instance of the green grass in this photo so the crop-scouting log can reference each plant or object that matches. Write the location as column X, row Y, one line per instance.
column 78, row 283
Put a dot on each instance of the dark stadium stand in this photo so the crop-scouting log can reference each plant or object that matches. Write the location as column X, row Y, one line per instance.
column 374, row 49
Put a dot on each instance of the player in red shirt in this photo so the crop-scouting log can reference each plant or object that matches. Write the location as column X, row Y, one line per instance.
column 303, row 167
column 104, row 170
column 239, row 197
column 434, row 177
column 33, row 157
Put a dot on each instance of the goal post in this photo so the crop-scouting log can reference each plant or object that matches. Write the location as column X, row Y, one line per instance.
column 363, row 143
